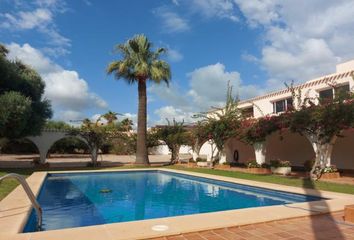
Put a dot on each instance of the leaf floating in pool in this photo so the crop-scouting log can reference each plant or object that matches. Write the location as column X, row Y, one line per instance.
column 105, row 190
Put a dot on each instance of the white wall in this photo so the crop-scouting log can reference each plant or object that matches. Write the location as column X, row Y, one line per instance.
column 245, row 151
column 206, row 150
column 159, row 150
column 343, row 151
column 293, row 147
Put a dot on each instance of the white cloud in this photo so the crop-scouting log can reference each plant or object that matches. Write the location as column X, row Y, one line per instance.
column 73, row 117
column 303, row 39
column 207, row 88
column 39, row 16
column 171, row 21
column 67, row 91
column 27, row 20
column 172, row 94
column 259, row 12
column 215, row 8
column 171, row 113
column 249, row 58
column 174, row 55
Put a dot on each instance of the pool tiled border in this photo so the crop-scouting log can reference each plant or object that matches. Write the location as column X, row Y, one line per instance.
column 15, row 208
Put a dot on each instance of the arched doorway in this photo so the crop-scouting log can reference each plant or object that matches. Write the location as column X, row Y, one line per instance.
column 289, row 146
column 238, row 151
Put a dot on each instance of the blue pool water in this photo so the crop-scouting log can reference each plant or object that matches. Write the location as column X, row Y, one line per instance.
column 75, row 199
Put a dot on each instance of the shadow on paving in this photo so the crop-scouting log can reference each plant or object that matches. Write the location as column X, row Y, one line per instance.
column 324, row 227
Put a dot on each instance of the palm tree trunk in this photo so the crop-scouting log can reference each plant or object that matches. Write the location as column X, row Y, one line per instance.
column 141, row 149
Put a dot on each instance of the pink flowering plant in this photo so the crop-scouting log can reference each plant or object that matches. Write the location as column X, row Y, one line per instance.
column 256, row 130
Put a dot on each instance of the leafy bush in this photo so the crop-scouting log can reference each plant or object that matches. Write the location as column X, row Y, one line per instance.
column 330, row 169
column 278, row 163
column 253, row 164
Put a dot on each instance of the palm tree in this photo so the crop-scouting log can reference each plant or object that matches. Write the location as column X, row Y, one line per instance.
column 139, row 64
column 110, row 117
column 126, row 124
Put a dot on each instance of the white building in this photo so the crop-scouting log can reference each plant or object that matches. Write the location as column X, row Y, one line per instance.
column 294, row 147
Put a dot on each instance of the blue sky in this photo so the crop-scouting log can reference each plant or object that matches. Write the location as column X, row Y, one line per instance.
column 257, row 45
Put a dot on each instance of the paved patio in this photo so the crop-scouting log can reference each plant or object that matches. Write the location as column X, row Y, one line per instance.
column 74, row 160
column 320, row 227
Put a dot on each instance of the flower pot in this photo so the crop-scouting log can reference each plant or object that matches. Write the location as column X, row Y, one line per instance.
column 258, row 170
column 331, row 175
column 203, row 164
column 281, row 170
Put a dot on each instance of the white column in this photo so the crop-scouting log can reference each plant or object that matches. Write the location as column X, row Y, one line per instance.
column 260, row 152
column 195, row 155
column 222, row 158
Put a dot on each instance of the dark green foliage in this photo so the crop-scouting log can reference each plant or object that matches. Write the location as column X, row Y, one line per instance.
column 23, row 111
column 174, row 135
column 69, row 145
column 57, row 125
column 19, row 146
column 15, row 112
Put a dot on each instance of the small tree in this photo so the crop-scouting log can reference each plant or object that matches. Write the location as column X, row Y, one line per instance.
column 321, row 124
column 223, row 123
column 94, row 135
column 198, row 136
column 174, row 135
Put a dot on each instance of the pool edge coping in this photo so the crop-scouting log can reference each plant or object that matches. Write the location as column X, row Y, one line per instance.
column 179, row 224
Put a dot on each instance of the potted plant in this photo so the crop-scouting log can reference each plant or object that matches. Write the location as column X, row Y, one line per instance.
column 330, row 172
column 254, row 167
column 202, row 162
column 280, row 167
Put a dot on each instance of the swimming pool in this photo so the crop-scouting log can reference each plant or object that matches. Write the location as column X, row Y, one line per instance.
column 83, row 199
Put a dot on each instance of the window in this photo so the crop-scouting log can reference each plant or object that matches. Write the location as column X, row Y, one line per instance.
column 328, row 94
column 247, row 112
column 283, row 105
column 342, row 91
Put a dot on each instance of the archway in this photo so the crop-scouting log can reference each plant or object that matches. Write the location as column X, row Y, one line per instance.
column 45, row 141
column 289, row 146
column 238, row 151
column 69, row 149
column 18, row 153
column 343, row 151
